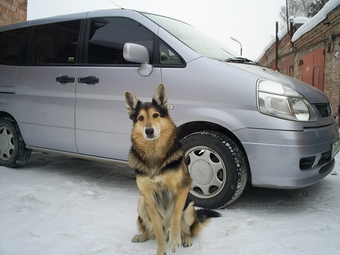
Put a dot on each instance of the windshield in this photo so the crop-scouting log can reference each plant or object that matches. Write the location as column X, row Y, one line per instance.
column 192, row 37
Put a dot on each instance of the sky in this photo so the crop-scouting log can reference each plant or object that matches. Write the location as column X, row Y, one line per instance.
column 251, row 22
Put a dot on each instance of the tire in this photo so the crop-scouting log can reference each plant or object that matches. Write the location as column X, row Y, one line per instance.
column 218, row 169
column 13, row 151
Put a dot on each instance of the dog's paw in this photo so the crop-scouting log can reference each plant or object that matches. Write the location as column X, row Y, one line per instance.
column 175, row 242
column 140, row 238
column 187, row 241
column 161, row 252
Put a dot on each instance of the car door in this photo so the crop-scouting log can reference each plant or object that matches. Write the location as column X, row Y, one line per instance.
column 103, row 126
column 45, row 87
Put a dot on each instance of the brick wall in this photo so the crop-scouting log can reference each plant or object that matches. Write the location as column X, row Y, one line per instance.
column 315, row 39
column 12, row 11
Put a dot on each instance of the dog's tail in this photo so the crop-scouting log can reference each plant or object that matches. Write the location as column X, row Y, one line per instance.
column 204, row 214
column 202, row 218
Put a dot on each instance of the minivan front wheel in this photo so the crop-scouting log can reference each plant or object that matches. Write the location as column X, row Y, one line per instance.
column 13, row 151
column 217, row 166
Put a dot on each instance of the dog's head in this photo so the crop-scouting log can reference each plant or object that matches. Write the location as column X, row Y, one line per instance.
column 150, row 118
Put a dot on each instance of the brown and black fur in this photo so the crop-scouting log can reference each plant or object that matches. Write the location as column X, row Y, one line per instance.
column 162, row 176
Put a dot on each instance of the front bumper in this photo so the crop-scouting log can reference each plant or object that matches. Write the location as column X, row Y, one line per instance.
column 289, row 159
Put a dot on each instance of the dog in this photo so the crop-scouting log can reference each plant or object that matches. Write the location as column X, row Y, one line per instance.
column 162, row 176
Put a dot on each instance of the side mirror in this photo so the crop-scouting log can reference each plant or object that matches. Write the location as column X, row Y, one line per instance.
column 137, row 53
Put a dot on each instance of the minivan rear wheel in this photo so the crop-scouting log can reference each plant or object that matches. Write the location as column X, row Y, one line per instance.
column 13, row 151
column 218, row 169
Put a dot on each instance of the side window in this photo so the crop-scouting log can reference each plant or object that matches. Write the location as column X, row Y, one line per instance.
column 54, row 43
column 107, row 37
column 168, row 56
column 11, row 43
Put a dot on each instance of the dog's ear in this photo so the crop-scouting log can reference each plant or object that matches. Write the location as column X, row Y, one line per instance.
column 160, row 96
column 131, row 102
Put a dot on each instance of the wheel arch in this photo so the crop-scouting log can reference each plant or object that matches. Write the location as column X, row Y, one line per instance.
column 6, row 115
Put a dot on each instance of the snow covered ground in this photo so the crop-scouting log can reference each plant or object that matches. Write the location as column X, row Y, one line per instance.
column 66, row 206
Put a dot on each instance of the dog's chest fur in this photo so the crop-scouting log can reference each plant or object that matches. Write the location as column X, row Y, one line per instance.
column 163, row 191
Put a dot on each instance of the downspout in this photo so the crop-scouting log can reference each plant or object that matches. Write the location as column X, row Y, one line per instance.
column 277, row 47
column 287, row 17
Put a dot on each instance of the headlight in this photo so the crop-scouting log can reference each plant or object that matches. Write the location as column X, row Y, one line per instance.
column 279, row 101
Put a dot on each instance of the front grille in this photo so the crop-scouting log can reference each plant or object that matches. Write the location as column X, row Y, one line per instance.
column 325, row 110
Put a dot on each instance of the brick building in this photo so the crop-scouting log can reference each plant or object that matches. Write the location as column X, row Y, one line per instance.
column 311, row 53
column 12, row 11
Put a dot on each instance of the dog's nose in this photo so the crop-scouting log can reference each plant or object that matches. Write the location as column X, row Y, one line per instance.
column 149, row 131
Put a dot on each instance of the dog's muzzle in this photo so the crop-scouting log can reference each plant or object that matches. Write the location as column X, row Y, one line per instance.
column 149, row 133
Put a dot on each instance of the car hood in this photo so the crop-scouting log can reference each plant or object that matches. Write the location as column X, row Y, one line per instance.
column 312, row 94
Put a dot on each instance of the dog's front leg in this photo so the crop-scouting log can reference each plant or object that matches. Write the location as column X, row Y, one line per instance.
column 157, row 225
column 175, row 228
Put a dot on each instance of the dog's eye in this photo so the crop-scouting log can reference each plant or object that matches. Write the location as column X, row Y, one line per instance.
column 155, row 115
column 141, row 118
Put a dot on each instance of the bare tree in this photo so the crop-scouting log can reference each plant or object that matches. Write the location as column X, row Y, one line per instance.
column 296, row 8
column 316, row 6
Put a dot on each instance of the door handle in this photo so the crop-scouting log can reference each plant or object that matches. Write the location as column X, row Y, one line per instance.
column 63, row 79
column 89, row 80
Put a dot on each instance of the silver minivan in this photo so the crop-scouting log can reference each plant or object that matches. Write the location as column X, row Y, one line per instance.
column 62, row 84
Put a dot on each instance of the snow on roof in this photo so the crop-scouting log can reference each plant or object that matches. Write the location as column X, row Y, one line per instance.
column 319, row 17
column 299, row 20
column 306, row 27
